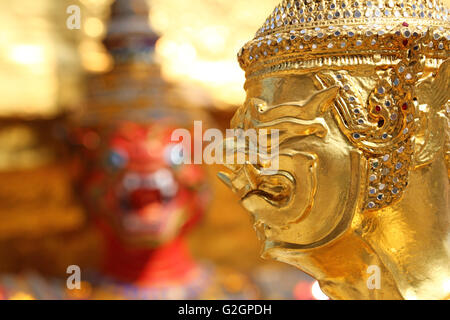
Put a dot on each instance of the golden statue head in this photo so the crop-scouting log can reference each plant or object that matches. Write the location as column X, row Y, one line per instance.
column 359, row 93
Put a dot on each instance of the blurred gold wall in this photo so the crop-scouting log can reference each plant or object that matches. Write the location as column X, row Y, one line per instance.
column 200, row 39
column 42, row 60
column 42, row 69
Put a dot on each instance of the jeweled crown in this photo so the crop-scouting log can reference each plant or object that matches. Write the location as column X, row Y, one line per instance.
column 404, row 40
column 302, row 30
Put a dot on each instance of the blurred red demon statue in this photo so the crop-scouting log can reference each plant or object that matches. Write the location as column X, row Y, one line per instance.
column 144, row 202
column 130, row 177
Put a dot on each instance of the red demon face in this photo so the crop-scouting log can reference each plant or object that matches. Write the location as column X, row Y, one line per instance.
column 135, row 183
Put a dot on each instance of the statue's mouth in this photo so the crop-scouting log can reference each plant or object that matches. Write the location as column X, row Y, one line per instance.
column 247, row 181
column 276, row 190
column 147, row 201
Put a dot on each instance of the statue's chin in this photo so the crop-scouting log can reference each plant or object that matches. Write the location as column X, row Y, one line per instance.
column 259, row 206
column 275, row 250
column 264, row 212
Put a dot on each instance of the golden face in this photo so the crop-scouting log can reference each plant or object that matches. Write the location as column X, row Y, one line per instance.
column 361, row 113
column 311, row 199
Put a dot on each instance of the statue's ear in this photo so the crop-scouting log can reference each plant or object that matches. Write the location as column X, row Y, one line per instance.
column 433, row 93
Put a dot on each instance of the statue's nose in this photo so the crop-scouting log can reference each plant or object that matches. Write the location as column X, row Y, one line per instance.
column 233, row 153
column 251, row 174
column 244, row 177
column 229, row 152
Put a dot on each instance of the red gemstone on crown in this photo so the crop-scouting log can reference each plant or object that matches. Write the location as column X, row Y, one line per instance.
column 378, row 108
column 405, row 106
column 405, row 24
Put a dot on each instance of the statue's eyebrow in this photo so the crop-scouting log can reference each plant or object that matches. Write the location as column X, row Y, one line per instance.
column 290, row 118
column 290, row 127
column 311, row 108
column 287, row 108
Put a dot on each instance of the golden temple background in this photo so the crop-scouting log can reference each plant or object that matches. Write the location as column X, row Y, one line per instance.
column 47, row 71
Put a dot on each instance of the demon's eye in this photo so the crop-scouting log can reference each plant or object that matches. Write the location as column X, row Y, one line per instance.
column 117, row 159
column 174, row 155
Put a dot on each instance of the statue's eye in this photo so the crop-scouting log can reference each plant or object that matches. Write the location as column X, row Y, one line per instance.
column 117, row 159
column 174, row 155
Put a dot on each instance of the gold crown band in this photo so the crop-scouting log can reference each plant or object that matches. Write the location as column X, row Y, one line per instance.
column 294, row 38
